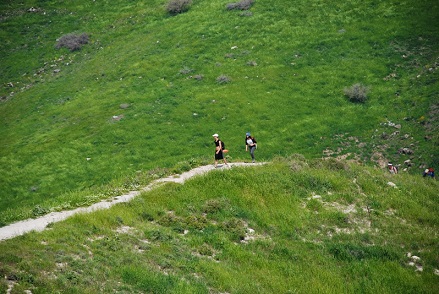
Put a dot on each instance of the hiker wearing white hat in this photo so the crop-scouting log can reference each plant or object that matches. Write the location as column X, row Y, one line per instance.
column 392, row 169
column 219, row 146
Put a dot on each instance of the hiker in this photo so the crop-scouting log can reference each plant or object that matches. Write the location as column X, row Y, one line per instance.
column 219, row 146
column 392, row 169
column 428, row 172
column 250, row 144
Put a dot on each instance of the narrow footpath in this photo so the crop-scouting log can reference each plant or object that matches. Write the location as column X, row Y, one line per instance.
column 39, row 224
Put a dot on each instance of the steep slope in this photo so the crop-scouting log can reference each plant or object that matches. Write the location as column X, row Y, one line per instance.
column 149, row 89
column 294, row 225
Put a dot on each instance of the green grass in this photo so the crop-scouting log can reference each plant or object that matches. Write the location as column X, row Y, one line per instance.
column 288, row 64
column 59, row 138
column 244, row 230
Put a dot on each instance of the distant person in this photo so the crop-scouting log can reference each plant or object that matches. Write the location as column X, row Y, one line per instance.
column 219, row 146
column 250, row 144
column 429, row 172
column 392, row 169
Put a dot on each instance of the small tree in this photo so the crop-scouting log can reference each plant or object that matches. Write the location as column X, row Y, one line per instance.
column 357, row 93
column 175, row 7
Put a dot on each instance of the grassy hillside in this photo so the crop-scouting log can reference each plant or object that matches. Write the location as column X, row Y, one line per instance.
column 292, row 226
column 149, row 89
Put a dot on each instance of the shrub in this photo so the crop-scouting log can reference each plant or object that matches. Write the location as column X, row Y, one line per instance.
column 72, row 42
column 215, row 205
column 357, row 93
column 178, row 6
column 241, row 5
column 358, row 252
column 223, row 79
column 235, row 227
column 146, row 216
column 297, row 162
column 206, row 250
column 246, row 13
column 39, row 210
column 185, row 70
column 170, row 220
column 198, row 77
column 333, row 164
column 181, row 167
column 196, row 222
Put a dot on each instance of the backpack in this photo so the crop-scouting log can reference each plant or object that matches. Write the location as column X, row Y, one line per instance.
column 224, row 145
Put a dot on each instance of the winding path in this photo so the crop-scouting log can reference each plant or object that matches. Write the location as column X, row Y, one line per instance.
column 39, row 224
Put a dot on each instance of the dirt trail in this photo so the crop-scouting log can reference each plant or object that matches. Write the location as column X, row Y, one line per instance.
column 39, row 224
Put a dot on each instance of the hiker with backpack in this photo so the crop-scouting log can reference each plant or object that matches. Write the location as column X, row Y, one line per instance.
column 392, row 168
column 428, row 172
column 219, row 150
column 250, row 144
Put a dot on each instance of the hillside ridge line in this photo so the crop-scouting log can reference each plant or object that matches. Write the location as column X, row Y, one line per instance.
column 39, row 224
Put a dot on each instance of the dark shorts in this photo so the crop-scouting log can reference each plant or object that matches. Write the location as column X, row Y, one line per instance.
column 219, row 155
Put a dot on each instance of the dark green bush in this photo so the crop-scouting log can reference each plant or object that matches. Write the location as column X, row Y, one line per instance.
column 146, row 216
column 352, row 252
column 157, row 235
column 357, row 93
column 39, row 210
column 72, row 42
column 178, row 6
